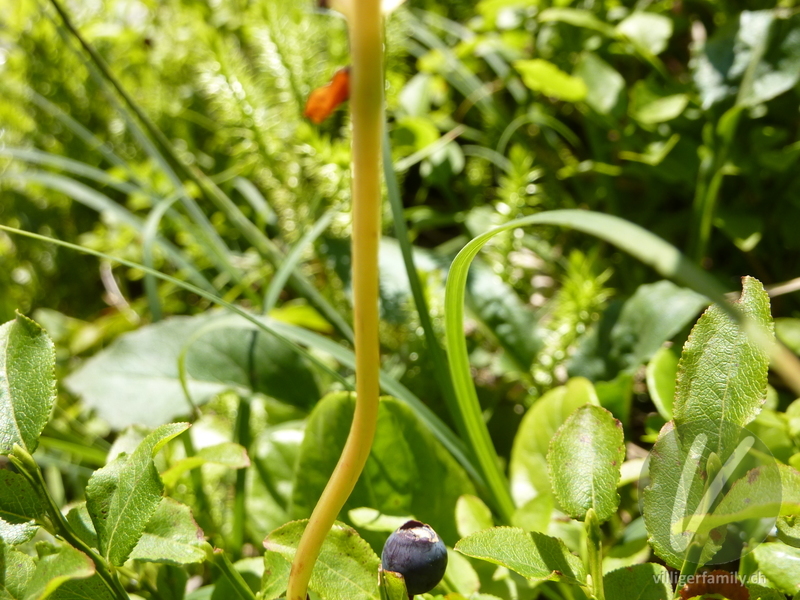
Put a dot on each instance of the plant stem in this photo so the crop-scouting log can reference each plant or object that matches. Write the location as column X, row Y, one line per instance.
column 594, row 554
column 233, row 576
column 366, row 104
column 30, row 469
column 242, row 437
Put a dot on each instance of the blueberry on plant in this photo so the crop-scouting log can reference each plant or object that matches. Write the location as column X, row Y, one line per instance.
column 416, row 552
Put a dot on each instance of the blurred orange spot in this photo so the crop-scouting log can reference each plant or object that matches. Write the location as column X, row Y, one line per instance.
column 324, row 100
column 716, row 582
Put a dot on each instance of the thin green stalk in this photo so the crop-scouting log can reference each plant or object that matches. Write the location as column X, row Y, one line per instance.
column 438, row 358
column 594, row 554
column 366, row 104
column 22, row 459
column 203, row 513
column 241, row 437
column 233, row 576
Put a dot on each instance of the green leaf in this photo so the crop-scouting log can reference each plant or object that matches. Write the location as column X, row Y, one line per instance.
column 92, row 588
column 27, row 383
column 276, row 575
column 80, row 521
column 535, row 514
column 603, row 83
column 19, row 501
column 407, row 472
column 788, row 332
column 136, row 379
column 472, row 515
column 647, row 30
column 171, row 536
column 662, row 371
column 543, row 76
column 393, row 586
column 578, row 18
column 584, row 460
column 53, row 570
column 642, row 582
column 123, row 496
column 16, row 571
column 346, row 568
column 535, row 556
column 781, row 564
column 226, row 454
column 722, row 375
column 758, row 592
column 658, row 110
column 17, row 534
column 370, row 519
column 528, row 468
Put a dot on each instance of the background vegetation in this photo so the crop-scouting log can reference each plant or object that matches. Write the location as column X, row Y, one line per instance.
column 680, row 116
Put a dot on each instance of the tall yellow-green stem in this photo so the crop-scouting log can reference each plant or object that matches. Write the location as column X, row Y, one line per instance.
column 366, row 106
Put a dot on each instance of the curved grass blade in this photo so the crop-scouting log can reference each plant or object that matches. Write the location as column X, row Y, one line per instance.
column 636, row 241
column 149, row 233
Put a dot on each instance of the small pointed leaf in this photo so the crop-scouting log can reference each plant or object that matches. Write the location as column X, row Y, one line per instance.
column 172, row 536
column 584, row 459
column 533, row 555
column 123, row 495
column 27, row 383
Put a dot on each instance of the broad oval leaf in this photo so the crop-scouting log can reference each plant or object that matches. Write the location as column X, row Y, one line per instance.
column 136, row 380
column 543, row 76
column 123, row 496
column 643, row 582
column 528, row 468
column 584, row 460
column 347, row 568
column 472, row 515
column 535, row 556
column 27, row 383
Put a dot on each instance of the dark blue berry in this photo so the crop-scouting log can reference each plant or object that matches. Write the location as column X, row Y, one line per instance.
column 415, row 551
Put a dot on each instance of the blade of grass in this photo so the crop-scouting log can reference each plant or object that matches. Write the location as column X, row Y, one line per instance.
column 437, row 355
column 636, row 241
column 293, row 259
column 149, row 233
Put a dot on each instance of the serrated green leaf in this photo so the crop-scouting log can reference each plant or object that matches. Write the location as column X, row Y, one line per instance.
column 17, row 534
column 171, row 536
column 408, row 472
column 346, row 569
column 662, row 371
column 27, row 383
column 542, row 76
column 123, row 496
column 781, row 565
column 92, row 588
column 227, row 454
column 528, row 468
column 56, row 569
column 722, row 375
column 276, row 575
column 472, row 515
column 136, row 379
column 393, row 586
column 643, row 582
column 584, row 460
column 19, row 501
column 535, row 556
column 16, row 571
